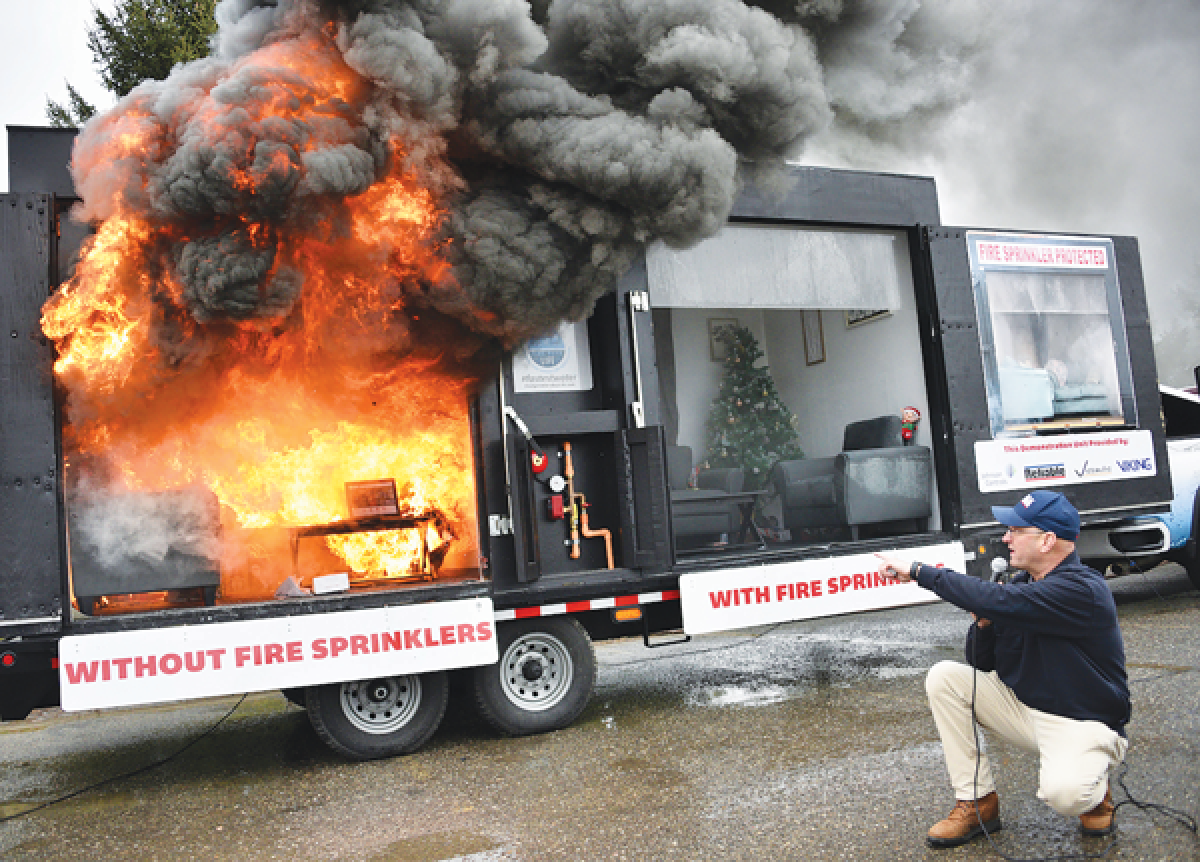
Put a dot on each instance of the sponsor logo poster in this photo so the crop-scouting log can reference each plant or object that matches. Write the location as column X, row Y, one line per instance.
column 1064, row 459
column 157, row 665
column 759, row 595
column 559, row 362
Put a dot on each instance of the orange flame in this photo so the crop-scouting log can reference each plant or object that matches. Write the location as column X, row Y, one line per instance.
column 273, row 415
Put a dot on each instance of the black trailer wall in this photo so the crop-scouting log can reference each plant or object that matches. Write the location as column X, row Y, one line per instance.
column 31, row 597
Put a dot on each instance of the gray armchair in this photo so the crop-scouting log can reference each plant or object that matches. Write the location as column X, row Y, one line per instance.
column 876, row 479
column 704, row 511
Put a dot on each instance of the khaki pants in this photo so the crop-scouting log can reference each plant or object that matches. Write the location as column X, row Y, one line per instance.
column 1075, row 755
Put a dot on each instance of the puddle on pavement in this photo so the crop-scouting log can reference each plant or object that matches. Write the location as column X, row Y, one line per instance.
column 434, row 847
column 738, row 695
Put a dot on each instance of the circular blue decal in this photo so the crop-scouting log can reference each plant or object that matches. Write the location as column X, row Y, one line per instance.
column 548, row 352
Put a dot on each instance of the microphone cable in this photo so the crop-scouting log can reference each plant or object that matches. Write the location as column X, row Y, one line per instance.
column 129, row 774
column 1184, row 819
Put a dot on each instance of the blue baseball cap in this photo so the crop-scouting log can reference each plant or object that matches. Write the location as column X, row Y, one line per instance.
column 1048, row 511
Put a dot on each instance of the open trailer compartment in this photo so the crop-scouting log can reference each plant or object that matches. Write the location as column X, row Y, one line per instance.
column 268, row 502
column 827, row 285
column 841, row 388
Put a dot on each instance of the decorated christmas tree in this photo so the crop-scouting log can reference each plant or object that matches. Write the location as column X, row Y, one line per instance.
column 748, row 425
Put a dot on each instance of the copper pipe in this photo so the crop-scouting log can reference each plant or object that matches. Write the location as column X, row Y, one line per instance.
column 569, row 471
column 589, row 533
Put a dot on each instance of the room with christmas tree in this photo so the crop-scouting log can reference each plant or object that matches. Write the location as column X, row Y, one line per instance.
column 791, row 385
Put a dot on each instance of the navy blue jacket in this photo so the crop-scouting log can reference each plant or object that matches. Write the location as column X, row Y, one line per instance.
column 1055, row 642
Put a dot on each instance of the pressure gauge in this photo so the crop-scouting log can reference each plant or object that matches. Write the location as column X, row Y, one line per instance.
column 557, row 484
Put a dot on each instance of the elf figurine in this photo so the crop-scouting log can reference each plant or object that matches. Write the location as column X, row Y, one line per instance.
column 910, row 416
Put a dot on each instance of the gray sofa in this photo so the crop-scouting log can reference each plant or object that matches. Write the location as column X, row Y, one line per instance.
column 704, row 511
column 876, row 479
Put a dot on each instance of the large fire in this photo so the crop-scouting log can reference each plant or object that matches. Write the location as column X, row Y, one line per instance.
column 273, row 411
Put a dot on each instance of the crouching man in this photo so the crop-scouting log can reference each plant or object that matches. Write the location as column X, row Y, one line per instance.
column 1048, row 672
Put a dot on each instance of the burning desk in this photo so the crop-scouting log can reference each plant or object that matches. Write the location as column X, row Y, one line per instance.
column 426, row 565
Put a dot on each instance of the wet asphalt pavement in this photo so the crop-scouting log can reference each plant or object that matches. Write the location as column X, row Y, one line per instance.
column 802, row 741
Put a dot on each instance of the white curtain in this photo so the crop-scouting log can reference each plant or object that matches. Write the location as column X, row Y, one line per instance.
column 769, row 266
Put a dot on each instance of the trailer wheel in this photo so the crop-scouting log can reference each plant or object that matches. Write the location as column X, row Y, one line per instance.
column 544, row 678
column 381, row 717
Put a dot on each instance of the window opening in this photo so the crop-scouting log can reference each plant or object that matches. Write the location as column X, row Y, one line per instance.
column 1055, row 356
column 833, row 315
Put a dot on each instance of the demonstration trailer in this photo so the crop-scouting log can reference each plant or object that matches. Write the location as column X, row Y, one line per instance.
column 927, row 372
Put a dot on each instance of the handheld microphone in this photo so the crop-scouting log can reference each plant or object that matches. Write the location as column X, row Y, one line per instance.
column 999, row 570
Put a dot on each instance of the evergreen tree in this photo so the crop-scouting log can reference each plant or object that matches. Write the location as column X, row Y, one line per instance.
column 748, row 425
column 141, row 39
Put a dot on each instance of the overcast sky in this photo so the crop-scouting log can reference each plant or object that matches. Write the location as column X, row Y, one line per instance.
column 1079, row 117
column 45, row 45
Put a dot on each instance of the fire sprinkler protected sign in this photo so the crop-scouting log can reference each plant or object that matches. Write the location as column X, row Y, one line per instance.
column 728, row 599
column 157, row 665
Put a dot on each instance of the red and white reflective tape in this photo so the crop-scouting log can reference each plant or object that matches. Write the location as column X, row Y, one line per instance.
column 588, row 605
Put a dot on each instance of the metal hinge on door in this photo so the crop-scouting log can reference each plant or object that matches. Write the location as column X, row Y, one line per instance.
column 499, row 525
column 639, row 300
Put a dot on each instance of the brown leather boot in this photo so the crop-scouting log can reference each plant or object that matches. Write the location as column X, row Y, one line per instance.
column 1101, row 819
column 962, row 824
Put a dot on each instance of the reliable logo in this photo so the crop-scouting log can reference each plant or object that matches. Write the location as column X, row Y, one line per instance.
column 1136, row 465
column 1034, row 473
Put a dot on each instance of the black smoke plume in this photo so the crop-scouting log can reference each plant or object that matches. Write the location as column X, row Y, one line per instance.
column 559, row 138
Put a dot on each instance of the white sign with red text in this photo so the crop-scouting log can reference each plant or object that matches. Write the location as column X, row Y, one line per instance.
column 999, row 253
column 1063, row 459
column 727, row 599
column 156, row 665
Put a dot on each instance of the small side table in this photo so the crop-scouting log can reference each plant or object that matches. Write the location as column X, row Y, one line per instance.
column 746, row 501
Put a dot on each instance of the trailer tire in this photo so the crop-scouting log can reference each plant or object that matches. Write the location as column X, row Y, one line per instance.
column 544, row 679
column 381, row 717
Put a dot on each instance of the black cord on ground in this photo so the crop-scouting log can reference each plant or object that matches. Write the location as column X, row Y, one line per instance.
column 131, row 774
column 1146, row 577
column 1064, row 857
column 1184, row 819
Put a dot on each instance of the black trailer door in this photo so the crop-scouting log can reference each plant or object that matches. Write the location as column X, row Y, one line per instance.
column 1050, row 372
column 30, row 507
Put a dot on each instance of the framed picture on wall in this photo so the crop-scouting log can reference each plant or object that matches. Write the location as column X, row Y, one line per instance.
column 859, row 316
column 814, row 337
column 716, row 347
